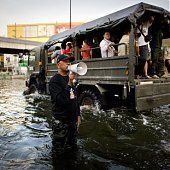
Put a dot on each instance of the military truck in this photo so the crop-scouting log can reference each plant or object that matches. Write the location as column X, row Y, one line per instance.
column 112, row 79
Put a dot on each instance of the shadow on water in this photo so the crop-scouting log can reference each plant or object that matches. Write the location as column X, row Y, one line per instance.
column 116, row 139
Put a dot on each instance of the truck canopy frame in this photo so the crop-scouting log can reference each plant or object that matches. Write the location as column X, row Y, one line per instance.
column 132, row 14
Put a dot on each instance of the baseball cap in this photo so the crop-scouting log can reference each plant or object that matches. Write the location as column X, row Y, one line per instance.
column 63, row 57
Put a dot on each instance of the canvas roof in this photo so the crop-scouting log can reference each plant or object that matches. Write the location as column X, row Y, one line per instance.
column 131, row 13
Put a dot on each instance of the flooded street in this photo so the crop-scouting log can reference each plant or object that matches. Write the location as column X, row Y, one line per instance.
column 117, row 139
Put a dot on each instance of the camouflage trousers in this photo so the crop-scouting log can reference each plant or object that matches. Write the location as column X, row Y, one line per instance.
column 157, row 62
column 64, row 137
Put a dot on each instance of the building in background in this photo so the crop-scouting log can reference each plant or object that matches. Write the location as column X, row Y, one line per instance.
column 1, row 61
column 14, row 64
column 14, row 55
column 38, row 32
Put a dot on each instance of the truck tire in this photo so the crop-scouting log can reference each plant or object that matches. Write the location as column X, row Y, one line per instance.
column 90, row 98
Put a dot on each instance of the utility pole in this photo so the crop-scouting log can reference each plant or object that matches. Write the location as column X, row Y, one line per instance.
column 70, row 14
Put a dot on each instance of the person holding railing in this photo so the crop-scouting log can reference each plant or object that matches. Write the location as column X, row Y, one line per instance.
column 107, row 46
column 95, row 49
column 144, row 57
column 85, row 50
column 123, row 48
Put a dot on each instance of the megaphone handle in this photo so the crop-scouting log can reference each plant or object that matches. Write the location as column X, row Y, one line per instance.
column 71, row 73
column 72, row 76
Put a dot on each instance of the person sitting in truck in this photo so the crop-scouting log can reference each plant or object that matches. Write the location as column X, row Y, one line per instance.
column 106, row 46
column 53, row 56
column 63, row 47
column 123, row 48
column 85, row 50
column 95, row 49
column 68, row 50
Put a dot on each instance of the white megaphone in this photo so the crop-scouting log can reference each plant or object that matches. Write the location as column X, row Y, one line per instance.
column 79, row 68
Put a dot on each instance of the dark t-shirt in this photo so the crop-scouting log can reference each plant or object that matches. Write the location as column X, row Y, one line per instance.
column 157, row 36
column 65, row 106
column 96, row 53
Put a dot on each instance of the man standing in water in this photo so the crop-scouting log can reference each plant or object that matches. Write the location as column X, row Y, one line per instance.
column 65, row 107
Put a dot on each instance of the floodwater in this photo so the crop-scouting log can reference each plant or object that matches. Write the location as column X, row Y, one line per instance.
column 117, row 139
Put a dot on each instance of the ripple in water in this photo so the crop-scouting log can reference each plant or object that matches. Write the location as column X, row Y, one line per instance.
column 114, row 139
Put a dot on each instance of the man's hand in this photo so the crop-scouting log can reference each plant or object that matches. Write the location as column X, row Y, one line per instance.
column 72, row 76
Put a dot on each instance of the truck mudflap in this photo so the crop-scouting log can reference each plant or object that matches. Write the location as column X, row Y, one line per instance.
column 152, row 94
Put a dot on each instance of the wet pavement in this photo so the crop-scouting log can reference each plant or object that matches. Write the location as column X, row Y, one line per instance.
column 116, row 139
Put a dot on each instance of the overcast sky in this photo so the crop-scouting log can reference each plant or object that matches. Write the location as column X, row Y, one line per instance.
column 46, row 11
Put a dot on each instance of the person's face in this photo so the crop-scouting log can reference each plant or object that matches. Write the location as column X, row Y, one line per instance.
column 107, row 35
column 151, row 18
column 63, row 65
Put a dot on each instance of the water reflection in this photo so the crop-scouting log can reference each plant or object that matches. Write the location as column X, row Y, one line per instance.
column 132, row 139
column 113, row 139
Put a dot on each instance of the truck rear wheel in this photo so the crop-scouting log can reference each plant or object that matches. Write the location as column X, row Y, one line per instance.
column 90, row 98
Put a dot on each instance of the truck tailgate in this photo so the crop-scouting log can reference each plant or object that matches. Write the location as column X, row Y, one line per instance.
column 152, row 94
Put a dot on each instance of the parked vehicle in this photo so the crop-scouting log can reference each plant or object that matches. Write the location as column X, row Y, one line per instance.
column 108, row 79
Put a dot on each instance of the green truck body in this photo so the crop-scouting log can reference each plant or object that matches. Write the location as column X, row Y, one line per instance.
column 110, row 79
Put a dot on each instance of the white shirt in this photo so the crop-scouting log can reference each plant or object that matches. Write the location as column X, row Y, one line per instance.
column 122, row 48
column 106, row 49
column 144, row 27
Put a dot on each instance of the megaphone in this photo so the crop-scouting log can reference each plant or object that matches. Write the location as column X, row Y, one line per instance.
column 79, row 68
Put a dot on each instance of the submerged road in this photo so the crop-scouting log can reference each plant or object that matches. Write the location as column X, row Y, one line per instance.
column 117, row 139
